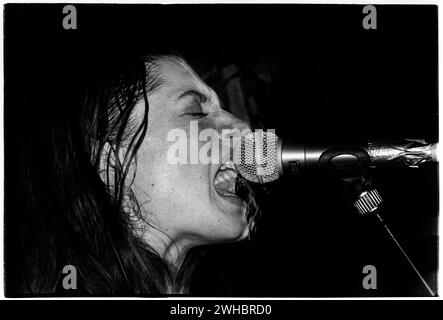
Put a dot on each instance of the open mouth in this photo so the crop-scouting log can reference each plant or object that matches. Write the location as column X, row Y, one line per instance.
column 228, row 182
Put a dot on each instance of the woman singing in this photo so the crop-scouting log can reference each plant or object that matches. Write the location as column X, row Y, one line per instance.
column 101, row 195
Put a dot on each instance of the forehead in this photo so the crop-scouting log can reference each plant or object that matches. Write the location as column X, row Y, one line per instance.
column 178, row 76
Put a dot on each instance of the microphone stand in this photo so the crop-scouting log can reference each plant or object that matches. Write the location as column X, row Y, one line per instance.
column 369, row 202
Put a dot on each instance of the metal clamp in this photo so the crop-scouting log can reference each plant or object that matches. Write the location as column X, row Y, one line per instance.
column 368, row 201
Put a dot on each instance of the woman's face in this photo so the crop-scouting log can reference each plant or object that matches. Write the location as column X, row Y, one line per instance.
column 186, row 201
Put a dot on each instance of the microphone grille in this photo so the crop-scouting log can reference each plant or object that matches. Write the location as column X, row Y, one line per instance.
column 256, row 157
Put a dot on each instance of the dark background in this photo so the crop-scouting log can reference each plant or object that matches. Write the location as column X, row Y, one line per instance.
column 313, row 73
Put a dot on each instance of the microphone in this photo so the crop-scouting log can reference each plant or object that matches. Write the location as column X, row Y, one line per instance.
column 262, row 157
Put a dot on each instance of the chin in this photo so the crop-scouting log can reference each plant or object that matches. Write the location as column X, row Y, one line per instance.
column 238, row 232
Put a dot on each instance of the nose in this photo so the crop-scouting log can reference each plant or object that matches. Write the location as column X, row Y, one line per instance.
column 232, row 126
column 231, row 129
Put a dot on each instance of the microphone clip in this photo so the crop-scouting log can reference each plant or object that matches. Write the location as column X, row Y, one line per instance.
column 369, row 202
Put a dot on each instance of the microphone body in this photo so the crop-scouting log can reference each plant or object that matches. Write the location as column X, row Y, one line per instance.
column 293, row 158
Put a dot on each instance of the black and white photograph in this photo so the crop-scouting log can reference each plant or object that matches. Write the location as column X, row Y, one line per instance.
column 220, row 150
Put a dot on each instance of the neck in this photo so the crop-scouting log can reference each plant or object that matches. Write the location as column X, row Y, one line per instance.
column 173, row 252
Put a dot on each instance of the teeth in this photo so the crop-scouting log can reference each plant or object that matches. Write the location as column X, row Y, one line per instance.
column 225, row 176
column 228, row 165
column 219, row 179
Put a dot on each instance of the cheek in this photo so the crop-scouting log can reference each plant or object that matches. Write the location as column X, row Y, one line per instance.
column 177, row 187
column 165, row 178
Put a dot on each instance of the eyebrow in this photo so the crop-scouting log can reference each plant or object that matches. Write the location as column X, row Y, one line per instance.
column 202, row 97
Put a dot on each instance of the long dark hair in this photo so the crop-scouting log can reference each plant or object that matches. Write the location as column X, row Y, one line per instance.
column 77, row 171
column 71, row 215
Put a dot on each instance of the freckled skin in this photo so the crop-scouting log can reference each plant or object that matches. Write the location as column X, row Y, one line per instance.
column 183, row 202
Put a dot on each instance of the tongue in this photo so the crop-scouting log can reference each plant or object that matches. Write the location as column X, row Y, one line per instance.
column 227, row 186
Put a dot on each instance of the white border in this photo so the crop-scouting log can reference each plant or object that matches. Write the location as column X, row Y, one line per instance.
column 439, row 149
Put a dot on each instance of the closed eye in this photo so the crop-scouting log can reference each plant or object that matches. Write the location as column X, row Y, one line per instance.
column 195, row 110
column 198, row 114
